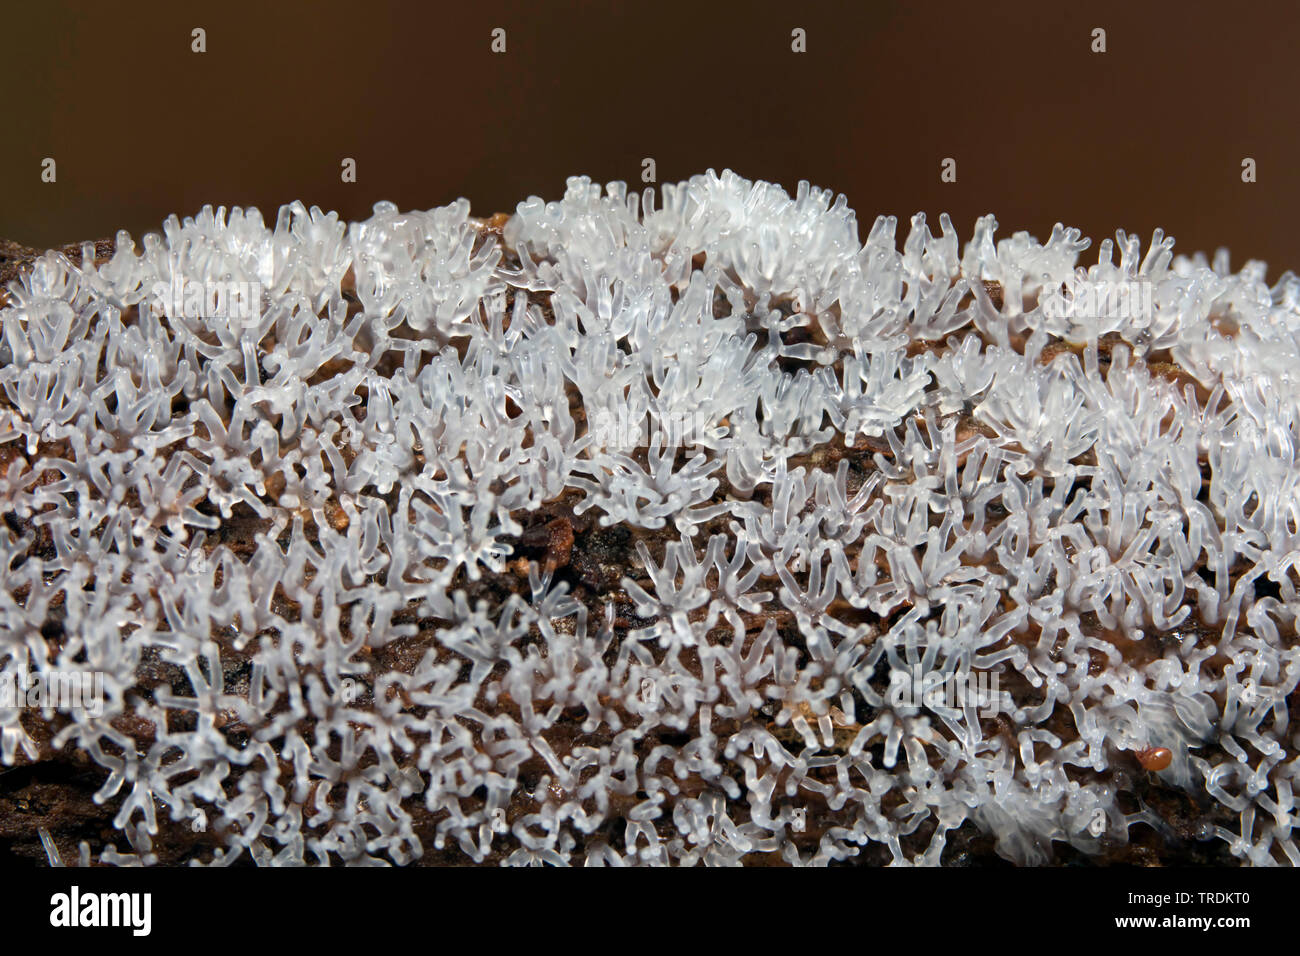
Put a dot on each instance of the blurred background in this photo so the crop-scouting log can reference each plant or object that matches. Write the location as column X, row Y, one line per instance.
column 1150, row 133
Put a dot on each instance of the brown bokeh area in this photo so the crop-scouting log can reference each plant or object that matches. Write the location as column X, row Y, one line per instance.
column 1150, row 134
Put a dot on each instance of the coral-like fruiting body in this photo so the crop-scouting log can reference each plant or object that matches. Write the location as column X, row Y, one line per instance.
column 698, row 532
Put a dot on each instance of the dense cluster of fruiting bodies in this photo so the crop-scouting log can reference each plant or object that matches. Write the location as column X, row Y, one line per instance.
column 637, row 529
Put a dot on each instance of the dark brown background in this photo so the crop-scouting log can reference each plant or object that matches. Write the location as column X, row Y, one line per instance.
column 1152, row 133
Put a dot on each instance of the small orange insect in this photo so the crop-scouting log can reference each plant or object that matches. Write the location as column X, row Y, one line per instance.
column 1155, row 759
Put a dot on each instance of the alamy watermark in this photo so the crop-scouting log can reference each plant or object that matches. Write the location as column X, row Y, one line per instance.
column 54, row 690
column 1131, row 300
column 622, row 431
column 75, row 909
column 915, row 687
column 235, row 301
